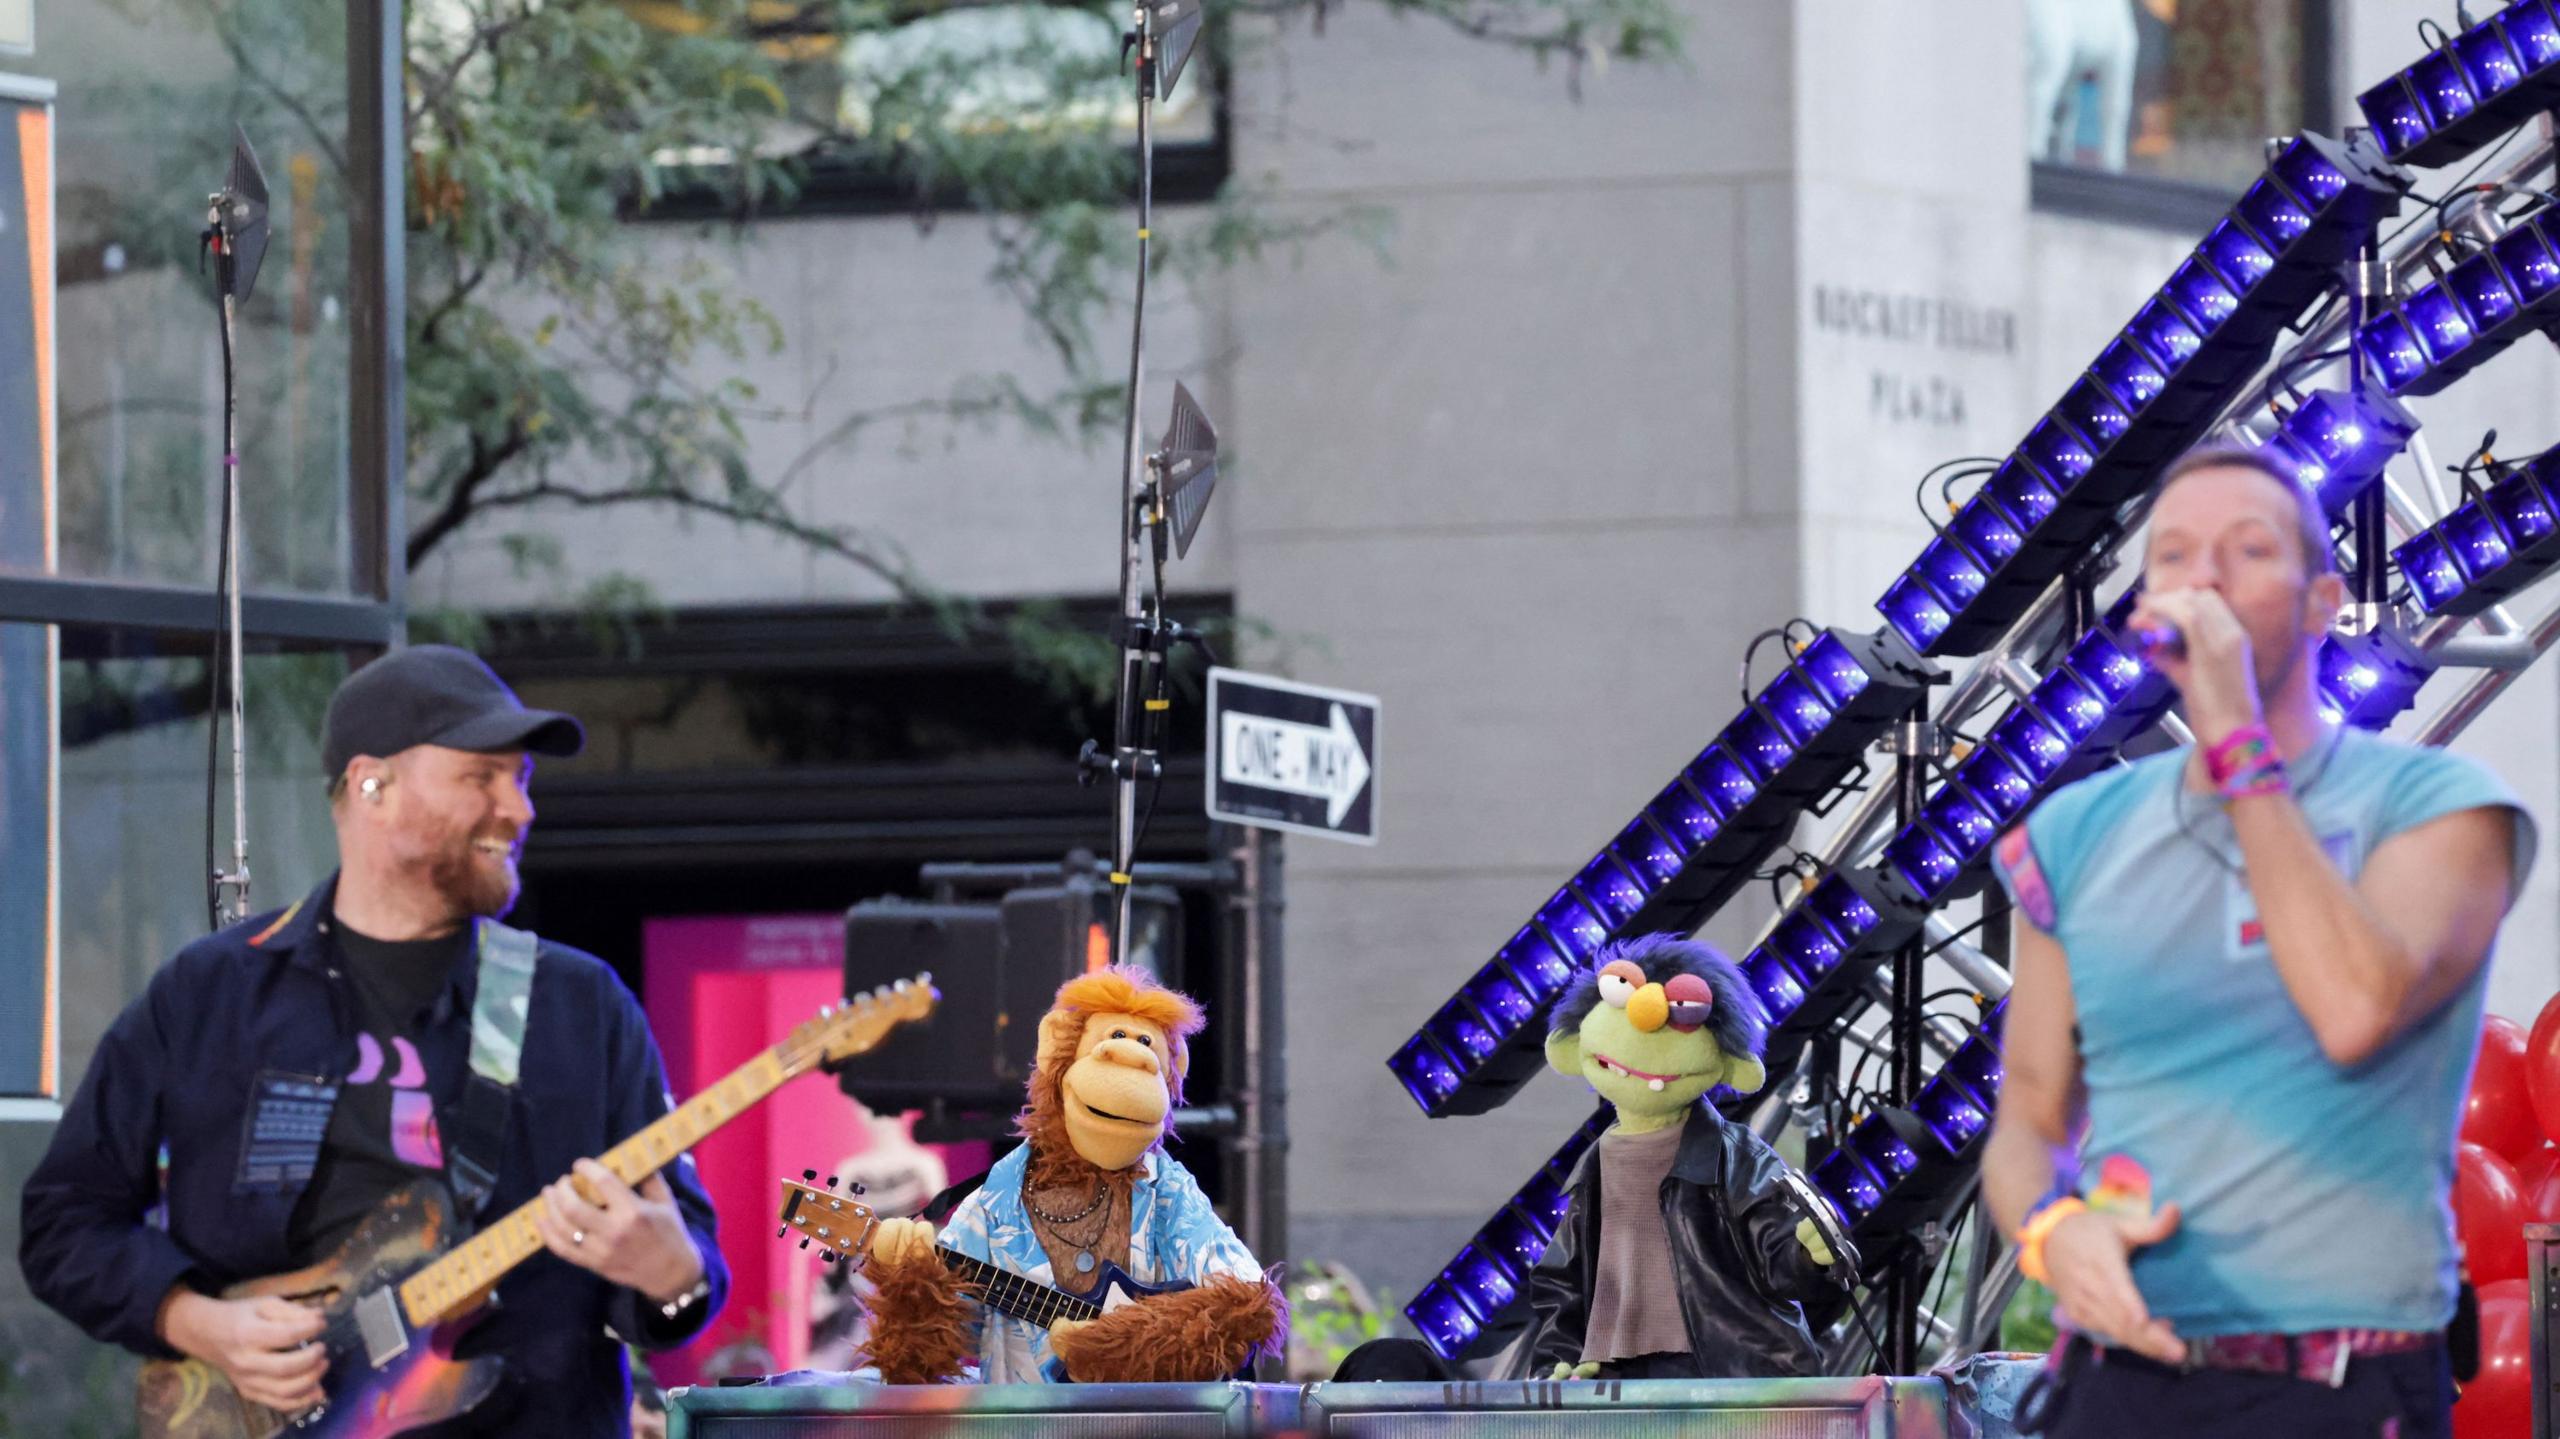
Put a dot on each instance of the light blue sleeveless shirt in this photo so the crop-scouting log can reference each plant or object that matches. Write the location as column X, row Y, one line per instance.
column 2314, row 1196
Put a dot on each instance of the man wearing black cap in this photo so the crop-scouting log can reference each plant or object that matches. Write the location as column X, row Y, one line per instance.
column 435, row 1041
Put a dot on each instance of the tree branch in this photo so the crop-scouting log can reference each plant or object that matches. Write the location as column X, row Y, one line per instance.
column 321, row 135
column 462, row 501
column 890, row 572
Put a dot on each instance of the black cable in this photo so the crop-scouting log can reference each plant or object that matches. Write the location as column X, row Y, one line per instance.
column 1753, row 648
column 1942, row 944
column 1947, row 1265
column 2476, row 167
column 1919, row 492
column 1875, row 1342
column 1947, row 485
column 2284, row 372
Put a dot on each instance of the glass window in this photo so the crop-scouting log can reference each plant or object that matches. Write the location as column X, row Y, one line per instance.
column 29, row 1054
column 149, row 91
column 1031, row 74
column 132, row 883
column 2177, row 90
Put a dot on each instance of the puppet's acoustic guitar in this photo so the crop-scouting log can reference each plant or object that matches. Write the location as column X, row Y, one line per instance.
column 841, row 1229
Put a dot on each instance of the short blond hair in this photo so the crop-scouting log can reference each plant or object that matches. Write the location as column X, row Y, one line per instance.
column 2311, row 522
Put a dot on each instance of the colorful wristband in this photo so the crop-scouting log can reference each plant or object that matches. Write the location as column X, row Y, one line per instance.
column 2039, row 1226
column 2245, row 763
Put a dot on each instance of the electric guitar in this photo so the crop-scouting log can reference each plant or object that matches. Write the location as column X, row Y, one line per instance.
column 400, row 1291
column 842, row 1229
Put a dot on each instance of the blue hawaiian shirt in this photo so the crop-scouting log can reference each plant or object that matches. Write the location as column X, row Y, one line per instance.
column 1174, row 1236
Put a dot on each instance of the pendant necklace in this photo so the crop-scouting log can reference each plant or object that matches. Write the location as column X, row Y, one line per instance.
column 1058, row 1223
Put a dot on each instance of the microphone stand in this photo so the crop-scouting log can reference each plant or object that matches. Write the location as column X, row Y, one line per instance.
column 235, row 237
column 1138, row 702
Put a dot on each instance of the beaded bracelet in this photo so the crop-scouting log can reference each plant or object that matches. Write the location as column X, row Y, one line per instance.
column 2038, row 1228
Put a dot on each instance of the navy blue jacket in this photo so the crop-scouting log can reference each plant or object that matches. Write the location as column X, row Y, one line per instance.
column 178, row 1068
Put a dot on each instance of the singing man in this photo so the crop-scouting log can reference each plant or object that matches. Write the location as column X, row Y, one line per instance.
column 2253, row 970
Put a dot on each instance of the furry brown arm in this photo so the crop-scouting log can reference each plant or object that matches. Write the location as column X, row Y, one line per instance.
column 1195, row 1336
column 920, row 1322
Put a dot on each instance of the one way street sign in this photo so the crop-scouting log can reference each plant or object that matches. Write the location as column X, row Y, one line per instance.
column 1292, row 756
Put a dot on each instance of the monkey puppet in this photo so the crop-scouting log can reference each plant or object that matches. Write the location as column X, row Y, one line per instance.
column 1090, row 1183
column 1682, row 1254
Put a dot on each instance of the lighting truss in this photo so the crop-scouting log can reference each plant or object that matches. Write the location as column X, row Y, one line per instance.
column 2442, row 330
column 2151, row 393
column 1893, row 1162
column 2490, row 546
column 2489, row 79
column 1694, row 844
column 1493, row 1268
column 2006, row 564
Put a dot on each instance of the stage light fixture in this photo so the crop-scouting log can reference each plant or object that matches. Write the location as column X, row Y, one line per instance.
column 2099, row 696
column 2444, row 329
column 2337, row 443
column 1492, row 1269
column 2366, row 680
column 2490, row 546
column 1894, row 1164
column 1698, row 841
column 1815, row 960
column 2487, row 80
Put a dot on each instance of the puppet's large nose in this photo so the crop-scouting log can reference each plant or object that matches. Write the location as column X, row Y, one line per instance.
column 1129, row 1052
column 1648, row 1009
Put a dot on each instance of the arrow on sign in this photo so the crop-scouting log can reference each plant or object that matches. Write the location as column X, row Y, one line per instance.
column 1295, row 758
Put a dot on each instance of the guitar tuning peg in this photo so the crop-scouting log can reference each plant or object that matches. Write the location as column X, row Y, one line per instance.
column 809, row 1174
column 828, row 1257
column 782, row 1231
column 858, row 1188
column 804, row 1243
column 831, row 1181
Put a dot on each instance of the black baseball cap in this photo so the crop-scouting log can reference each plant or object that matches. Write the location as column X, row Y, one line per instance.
column 436, row 694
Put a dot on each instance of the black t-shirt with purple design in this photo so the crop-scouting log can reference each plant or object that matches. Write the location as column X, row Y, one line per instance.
column 382, row 1132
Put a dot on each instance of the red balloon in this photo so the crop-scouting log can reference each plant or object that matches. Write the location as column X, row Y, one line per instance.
column 2488, row 1216
column 2499, row 1403
column 2537, row 1166
column 2542, row 1068
column 2539, row 1179
column 2498, row 1114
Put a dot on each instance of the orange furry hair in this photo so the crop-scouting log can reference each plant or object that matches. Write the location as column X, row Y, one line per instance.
column 1118, row 989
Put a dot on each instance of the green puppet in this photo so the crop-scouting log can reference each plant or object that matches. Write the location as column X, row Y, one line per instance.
column 1685, row 1253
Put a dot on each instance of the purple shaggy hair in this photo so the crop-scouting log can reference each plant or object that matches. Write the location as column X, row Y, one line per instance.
column 1736, row 1021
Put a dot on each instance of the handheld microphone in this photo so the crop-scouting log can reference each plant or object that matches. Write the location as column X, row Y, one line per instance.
column 2160, row 641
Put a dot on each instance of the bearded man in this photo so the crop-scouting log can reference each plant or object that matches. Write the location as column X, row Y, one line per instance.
column 283, row 1076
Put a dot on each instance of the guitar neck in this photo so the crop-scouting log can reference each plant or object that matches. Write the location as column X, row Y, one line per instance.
column 456, row 1281
column 1028, row 1300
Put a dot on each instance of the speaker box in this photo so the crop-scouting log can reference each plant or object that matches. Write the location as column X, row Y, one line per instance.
column 956, row 1056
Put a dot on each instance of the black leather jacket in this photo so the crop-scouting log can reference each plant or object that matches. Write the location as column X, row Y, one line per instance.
column 1744, row 1279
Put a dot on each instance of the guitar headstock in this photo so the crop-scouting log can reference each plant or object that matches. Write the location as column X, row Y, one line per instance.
column 839, row 1226
column 841, row 1031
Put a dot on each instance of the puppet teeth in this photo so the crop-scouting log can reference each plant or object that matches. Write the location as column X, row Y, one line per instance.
column 1654, row 1084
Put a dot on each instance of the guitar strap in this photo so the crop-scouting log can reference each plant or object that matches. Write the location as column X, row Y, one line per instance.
column 478, row 1138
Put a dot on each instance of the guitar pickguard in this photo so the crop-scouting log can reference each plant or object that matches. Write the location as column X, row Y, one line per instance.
column 420, row 1382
